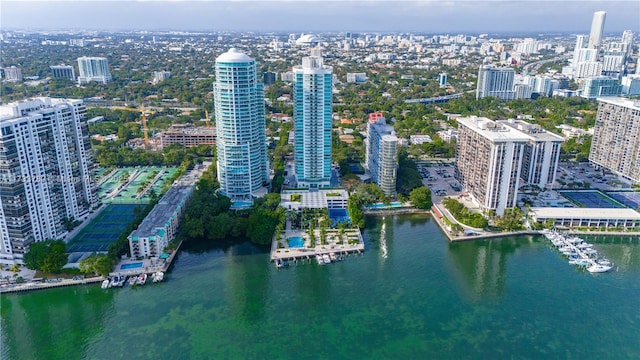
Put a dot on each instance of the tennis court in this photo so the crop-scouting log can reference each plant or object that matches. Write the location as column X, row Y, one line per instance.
column 629, row 198
column 591, row 199
column 138, row 176
column 103, row 229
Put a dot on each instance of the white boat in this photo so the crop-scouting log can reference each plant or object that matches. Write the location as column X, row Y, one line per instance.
column 326, row 258
column 133, row 280
column 279, row 263
column 158, row 276
column 105, row 284
column 598, row 268
column 142, row 279
column 114, row 281
column 333, row 257
column 319, row 259
column 604, row 262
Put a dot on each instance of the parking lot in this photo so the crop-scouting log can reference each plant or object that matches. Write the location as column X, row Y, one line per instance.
column 439, row 177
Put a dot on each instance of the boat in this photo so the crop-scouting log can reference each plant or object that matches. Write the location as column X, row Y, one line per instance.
column 133, row 280
column 114, row 281
column 319, row 259
column 142, row 279
column 326, row 259
column 279, row 263
column 105, row 284
column 598, row 268
column 604, row 261
column 333, row 257
column 157, row 277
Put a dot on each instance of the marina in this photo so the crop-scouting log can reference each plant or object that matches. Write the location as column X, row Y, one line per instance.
column 579, row 252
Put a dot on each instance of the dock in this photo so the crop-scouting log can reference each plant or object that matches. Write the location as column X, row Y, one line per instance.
column 53, row 283
column 348, row 243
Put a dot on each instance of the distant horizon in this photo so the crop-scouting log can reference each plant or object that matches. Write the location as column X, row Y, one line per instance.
column 426, row 16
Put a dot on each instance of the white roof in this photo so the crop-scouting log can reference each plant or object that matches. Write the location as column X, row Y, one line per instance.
column 307, row 39
column 234, row 55
column 584, row 213
column 624, row 102
column 492, row 130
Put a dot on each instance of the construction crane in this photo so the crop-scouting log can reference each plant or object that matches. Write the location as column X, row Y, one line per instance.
column 206, row 117
column 145, row 130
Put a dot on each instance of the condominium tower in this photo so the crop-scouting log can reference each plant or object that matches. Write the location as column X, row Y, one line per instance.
column 63, row 72
column 597, row 27
column 45, row 172
column 381, row 154
column 93, row 69
column 240, row 126
column 616, row 137
column 494, row 158
column 312, row 121
column 496, row 82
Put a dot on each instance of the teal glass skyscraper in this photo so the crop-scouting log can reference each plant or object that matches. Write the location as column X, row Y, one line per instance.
column 240, row 126
column 312, row 108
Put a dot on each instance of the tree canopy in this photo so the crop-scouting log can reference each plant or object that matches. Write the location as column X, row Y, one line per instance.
column 47, row 256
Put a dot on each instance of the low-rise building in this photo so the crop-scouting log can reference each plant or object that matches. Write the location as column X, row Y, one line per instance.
column 161, row 225
column 188, row 135
column 587, row 217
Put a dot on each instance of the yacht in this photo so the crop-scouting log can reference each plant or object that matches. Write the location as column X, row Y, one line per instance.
column 114, row 281
column 142, row 279
column 133, row 280
column 105, row 284
column 598, row 268
column 319, row 259
column 326, row 258
column 279, row 263
column 157, row 277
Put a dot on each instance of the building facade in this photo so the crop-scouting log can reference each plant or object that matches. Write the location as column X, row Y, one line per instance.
column 240, row 125
column 597, row 27
column 93, row 69
column 541, row 153
column 46, row 172
column 63, row 72
column 188, row 135
column 616, row 137
column 312, row 110
column 496, row 82
column 13, row 73
column 381, row 154
column 600, row 86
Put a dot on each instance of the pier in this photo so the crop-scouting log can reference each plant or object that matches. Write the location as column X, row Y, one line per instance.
column 345, row 244
column 579, row 252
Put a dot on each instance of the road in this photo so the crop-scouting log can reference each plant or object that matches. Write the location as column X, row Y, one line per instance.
column 537, row 64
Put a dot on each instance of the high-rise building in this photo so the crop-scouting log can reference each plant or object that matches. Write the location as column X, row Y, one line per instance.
column 240, row 123
column 381, row 154
column 45, row 172
column 63, row 72
column 597, row 27
column 496, row 82
column 159, row 76
column 493, row 157
column 616, row 137
column 627, row 41
column 13, row 73
column 600, row 86
column 269, row 78
column 579, row 46
column 541, row 153
column 312, row 110
column 630, row 85
column 93, row 69
column 442, row 80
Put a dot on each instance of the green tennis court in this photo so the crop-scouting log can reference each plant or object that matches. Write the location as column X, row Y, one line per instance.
column 103, row 229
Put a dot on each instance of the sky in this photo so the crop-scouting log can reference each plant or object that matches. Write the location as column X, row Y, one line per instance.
column 427, row 16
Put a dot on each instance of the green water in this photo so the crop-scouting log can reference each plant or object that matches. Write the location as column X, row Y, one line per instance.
column 411, row 295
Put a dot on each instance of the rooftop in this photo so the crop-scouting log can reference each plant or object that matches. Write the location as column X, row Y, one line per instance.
column 532, row 130
column 492, row 130
column 162, row 212
column 632, row 104
column 584, row 213
column 234, row 56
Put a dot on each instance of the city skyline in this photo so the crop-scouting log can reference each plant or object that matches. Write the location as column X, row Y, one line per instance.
column 315, row 16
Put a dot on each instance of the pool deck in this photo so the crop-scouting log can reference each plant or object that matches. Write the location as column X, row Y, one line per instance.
column 149, row 266
column 284, row 252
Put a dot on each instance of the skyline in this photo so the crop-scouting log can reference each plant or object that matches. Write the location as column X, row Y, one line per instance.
column 315, row 16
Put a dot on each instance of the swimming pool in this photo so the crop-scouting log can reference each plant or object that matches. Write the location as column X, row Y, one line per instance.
column 130, row 266
column 394, row 204
column 295, row 242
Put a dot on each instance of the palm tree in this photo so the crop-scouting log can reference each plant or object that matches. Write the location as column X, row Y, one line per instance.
column 15, row 269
